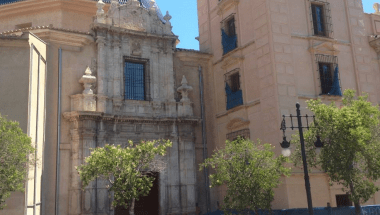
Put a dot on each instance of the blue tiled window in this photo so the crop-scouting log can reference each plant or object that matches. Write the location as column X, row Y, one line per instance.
column 229, row 37
column 134, row 81
column 233, row 92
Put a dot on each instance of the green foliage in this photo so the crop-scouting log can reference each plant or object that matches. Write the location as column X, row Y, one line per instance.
column 350, row 134
column 15, row 148
column 125, row 168
column 249, row 170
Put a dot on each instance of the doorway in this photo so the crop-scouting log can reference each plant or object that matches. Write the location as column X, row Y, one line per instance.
column 147, row 205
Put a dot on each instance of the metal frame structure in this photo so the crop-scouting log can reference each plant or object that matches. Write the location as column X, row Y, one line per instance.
column 286, row 144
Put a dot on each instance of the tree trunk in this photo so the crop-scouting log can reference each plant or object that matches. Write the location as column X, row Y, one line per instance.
column 356, row 203
column 132, row 208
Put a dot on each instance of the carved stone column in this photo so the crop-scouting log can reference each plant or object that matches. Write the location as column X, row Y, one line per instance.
column 101, row 104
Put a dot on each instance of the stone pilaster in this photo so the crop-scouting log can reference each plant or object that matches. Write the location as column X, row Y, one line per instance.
column 103, row 203
column 117, row 67
column 89, row 193
column 75, row 194
column 187, row 168
column 173, row 180
column 101, row 104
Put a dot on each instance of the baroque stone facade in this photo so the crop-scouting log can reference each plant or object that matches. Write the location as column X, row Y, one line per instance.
column 122, row 79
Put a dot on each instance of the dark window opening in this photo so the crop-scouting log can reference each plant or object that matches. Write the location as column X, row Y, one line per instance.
column 326, row 77
column 318, row 19
column 231, row 27
column 329, row 75
column 234, row 93
column 343, row 200
column 235, row 82
column 229, row 37
column 134, row 81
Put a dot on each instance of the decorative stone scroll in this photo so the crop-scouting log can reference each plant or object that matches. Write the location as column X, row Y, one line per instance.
column 87, row 100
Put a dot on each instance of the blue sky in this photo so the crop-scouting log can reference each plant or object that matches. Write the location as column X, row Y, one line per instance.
column 185, row 20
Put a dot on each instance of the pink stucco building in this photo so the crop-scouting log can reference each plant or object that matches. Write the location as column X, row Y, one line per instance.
column 270, row 54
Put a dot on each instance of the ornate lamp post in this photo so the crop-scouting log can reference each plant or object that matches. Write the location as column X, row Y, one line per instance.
column 286, row 151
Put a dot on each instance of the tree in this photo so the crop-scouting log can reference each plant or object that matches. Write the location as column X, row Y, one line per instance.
column 250, row 171
column 350, row 156
column 126, row 169
column 15, row 151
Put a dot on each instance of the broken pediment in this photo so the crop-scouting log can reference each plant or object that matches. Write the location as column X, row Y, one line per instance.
column 144, row 16
column 237, row 123
column 130, row 16
column 328, row 48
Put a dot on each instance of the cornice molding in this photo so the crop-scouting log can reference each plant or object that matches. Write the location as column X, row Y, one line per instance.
column 13, row 41
column 191, row 56
column 38, row 6
column 97, row 116
column 225, row 5
column 237, row 123
column 64, row 38
column 328, row 48
column 107, row 28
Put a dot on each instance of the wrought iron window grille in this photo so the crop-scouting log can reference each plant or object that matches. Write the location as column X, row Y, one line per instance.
column 328, row 73
column 234, row 95
column 244, row 133
column 229, row 37
column 136, row 79
column 320, row 17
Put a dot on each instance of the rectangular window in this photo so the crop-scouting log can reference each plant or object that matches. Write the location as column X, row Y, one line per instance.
column 231, row 27
column 318, row 20
column 329, row 75
column 234, row 93
column 321, row 18
column 134, row 81
column 229, row 37
column 325, row 77
column 244, row 133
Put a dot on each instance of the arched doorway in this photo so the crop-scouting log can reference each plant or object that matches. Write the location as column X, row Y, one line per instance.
column 147, row 205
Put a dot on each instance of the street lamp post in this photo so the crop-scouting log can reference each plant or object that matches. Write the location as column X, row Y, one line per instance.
column 285, row 145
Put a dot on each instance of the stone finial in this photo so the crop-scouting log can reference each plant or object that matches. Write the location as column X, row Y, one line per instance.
column 184, row 90
column 100, row 12
column 87, row 80
column 135, row 3
column 376, row 6
column 167, row 17
column 153, row 7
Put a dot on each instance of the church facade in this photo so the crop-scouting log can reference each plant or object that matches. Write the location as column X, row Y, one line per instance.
column 110, row 73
